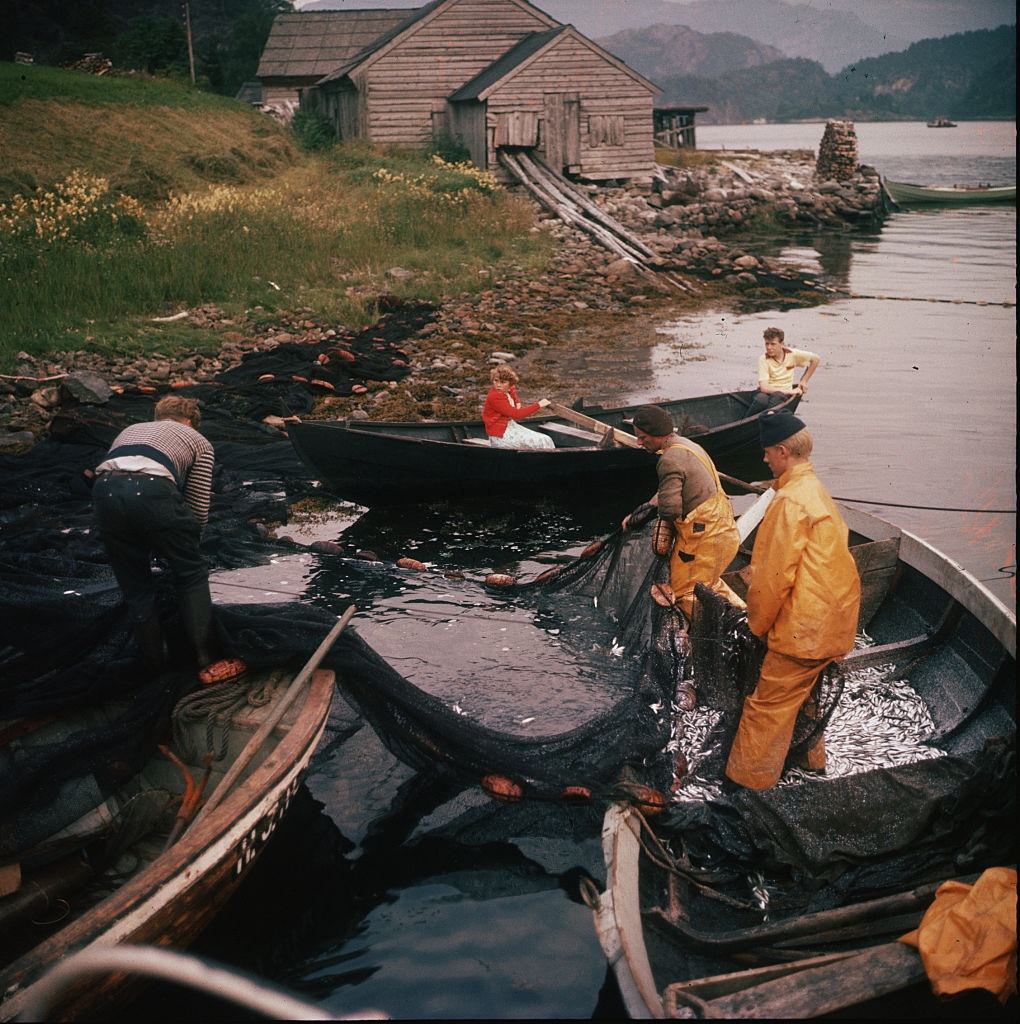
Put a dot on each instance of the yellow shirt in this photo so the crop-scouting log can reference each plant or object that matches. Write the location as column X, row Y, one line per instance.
column 779, row 373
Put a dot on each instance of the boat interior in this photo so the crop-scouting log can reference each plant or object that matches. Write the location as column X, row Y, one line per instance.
column 693, row 417
column 87, row 845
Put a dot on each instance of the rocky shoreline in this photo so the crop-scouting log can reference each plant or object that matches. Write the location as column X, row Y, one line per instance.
column 700, row 219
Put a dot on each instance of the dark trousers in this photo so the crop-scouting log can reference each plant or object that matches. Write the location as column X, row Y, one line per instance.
column 763, row 401
column 140, row 515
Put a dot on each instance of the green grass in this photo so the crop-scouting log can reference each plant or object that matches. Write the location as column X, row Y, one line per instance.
column 320, row 236
column 37, row 82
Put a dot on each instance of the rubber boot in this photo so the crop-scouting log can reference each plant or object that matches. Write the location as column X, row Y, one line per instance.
column 149, row 636
column 196, row 620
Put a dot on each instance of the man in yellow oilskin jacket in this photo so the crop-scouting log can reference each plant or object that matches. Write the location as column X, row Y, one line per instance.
column 804, row 599
column 690, row 497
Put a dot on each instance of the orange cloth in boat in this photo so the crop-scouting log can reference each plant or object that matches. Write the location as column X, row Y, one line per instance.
column 706, row 539
column 967, row 937
column 766, row 724
column 804, row 594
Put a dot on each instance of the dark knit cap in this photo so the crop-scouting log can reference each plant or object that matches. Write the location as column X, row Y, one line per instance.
column 776, row 427
column 654, row 420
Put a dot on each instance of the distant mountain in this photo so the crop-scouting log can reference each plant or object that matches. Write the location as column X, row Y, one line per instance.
column 969, row 74
column 662, row 51
column 785, row 90
column 832, row 37
column 913, row 20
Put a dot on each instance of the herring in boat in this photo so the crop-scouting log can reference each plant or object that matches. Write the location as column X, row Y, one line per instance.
column 153, row 859
column 906, row 194
column 789, row 902
column 379, row 463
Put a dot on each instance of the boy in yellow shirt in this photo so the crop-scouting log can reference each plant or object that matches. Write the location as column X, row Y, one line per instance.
column 775, row 371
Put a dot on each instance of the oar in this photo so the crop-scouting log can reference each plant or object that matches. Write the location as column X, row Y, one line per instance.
column 596, row 426
column 273, row 718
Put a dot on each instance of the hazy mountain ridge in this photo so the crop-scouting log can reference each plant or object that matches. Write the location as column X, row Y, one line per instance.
column 665, row 50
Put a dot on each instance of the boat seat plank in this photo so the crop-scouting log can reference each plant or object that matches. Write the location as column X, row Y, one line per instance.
column 826, row 988
column 569, row 431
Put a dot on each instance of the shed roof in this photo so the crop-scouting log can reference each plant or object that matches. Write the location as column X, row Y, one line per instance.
column 502, row 66
column 514, row 59
column 354, row 59
column 310, row 44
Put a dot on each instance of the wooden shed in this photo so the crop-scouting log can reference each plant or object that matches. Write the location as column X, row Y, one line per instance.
column 558, row 93
column 304, row 46
column 495, row 73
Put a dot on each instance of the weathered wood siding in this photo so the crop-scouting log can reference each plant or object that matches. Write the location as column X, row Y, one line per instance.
column 404, row 86
column 467, row 123
column 615, row 113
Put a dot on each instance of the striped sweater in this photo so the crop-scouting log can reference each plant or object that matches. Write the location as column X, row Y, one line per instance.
column 174, row 447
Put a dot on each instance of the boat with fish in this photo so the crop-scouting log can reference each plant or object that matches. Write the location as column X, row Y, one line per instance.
column 155, row 859
column 907, row 194
column 789, row 902
column 379, row 463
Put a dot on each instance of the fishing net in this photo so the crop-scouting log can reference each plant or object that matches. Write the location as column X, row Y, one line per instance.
column 66, row 645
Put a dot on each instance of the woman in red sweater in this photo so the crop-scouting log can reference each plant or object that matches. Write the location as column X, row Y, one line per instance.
column 503, row 409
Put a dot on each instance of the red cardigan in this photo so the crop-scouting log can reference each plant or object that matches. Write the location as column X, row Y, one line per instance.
column 499, row 411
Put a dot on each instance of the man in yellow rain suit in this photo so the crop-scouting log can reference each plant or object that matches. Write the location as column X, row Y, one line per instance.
column 690, row 497
column 804, row 599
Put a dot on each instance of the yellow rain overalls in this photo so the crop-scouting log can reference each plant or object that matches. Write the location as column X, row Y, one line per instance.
column 706, row 541
column 804, row 597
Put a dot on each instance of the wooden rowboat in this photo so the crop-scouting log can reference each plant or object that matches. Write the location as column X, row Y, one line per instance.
column 907, row 194
column 385, row 463
column 673, row 953
column 171, row 890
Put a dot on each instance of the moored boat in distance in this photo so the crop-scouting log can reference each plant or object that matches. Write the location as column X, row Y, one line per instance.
column 941, row 122
column 676, row 953
column 907, row 194
column 387, row 463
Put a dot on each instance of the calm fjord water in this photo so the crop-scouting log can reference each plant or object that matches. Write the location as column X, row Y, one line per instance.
column 915, row 403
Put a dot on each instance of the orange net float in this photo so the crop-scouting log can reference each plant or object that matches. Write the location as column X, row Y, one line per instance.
column 342, row 353
column 592, row 549
column 499, row 787
column 411, row 563
column 499, row 579
column 454, row 574
column 319, row 383
column 147, row 389
column 267, row 376
column 663, row 537
column 322, row 359
column 549, row 574
column 300, row 380
column 176, row 385
column 226, row 670
column 575, row 793
column 662, row 595
column 648, row 800
column 359, row 389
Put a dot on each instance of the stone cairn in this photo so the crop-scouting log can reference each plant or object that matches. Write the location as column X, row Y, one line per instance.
column 837, row 153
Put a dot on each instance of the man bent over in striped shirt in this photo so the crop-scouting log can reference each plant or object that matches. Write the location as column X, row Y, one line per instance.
column 151, row 497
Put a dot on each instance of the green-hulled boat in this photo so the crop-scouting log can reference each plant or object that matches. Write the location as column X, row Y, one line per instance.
column 948, row 195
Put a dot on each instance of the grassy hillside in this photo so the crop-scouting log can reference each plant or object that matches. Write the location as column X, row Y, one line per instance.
column 148, row 136
column 125, row 199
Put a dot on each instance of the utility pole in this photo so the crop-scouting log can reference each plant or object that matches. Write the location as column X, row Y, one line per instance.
column 191, row 51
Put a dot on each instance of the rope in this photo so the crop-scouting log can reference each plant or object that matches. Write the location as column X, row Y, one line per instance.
column 216, row 706
column 1005, row 304
column 927, row 508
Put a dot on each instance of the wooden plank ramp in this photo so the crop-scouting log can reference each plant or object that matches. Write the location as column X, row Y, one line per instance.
column 563, row 198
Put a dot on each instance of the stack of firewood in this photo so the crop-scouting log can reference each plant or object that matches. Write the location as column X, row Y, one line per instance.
column 92, row 64
column 837, row 153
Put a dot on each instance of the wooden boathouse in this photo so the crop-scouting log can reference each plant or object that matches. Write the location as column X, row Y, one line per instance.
column 491, row 74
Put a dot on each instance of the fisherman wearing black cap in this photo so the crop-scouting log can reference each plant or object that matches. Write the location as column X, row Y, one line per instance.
column 691, row 498
column 803, row 599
